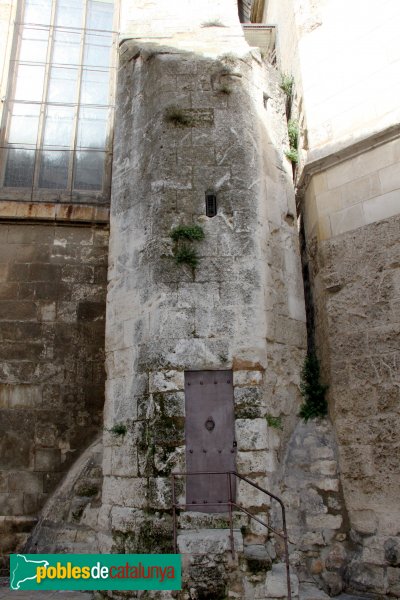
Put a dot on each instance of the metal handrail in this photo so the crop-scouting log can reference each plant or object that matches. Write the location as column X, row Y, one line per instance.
column 230, row 504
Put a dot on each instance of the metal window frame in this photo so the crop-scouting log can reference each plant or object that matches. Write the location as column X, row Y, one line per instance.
column 68, row 195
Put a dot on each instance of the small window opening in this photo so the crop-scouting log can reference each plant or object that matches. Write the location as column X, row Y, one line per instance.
column 211, row 204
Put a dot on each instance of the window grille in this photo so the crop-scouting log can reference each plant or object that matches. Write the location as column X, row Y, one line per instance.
column 211, row 204
column 58, row 117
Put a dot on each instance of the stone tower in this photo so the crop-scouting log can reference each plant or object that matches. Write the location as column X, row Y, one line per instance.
column 199, row 117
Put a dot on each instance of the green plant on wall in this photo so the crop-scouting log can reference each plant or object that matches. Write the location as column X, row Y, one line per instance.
column 293, row 155
column 225, row 89
column 186, row 255
column 293, row 133
column 183, row 251
column 178, row 117
column 274, row 422
column 287, row 84
column 187, row 232
column 213, row 23
column 312, row 390
column 119, row 429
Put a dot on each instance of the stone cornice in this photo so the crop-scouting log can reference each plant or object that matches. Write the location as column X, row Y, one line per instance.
column 336, row 153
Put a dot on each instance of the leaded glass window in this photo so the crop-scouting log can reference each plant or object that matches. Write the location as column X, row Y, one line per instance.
column 58, row 116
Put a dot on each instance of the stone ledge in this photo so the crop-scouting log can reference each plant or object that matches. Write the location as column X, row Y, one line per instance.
column 51, row 211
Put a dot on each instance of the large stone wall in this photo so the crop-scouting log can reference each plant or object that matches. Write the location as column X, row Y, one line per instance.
column 356, row 279
column 52, row 307
column 326, row 45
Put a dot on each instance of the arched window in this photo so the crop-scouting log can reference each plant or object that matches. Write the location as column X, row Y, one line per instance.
column 57, row 120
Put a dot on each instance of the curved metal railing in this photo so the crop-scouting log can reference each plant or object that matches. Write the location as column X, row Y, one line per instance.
column 232, row 504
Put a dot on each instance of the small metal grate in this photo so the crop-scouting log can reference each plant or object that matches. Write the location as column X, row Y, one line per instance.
column 211, row 204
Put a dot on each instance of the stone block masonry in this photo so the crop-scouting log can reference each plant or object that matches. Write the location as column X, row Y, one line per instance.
column 190, row 121
column 356, row 192
column 356, row 283
column 52, row 307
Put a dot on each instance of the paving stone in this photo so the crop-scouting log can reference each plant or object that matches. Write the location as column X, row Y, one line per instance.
column 310, row 592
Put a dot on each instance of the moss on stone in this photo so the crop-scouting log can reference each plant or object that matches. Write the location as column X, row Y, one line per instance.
column 167, row 431
column 119, row 539
column 248, row 403
column 274, row 422
column 164, row 454
column 208, row 581
column 256, row 566
column 87, row 490
column 152, row 536
column 119, row 429
column 246, row 411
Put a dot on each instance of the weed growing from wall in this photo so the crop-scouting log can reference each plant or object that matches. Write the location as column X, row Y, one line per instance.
column 183, row 251
column 287, row 86
column 119, row 429
column 225, row 89
column 187, row 256
column 213, row 23
column 293, row 155
column 187, row 232
column 274, row 422
column 293, row 133
column 178, row 117
column 312, row 390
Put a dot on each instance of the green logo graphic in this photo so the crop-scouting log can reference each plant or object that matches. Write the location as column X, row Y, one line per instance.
column 24, row 570
column 95, row 572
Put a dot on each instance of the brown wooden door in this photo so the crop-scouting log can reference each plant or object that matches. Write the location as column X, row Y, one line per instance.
column 210, row 438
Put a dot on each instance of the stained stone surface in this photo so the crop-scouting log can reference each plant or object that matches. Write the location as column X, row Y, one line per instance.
column 68, row 523
column 52, row 308
column 316, row 513
column 356, row 293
